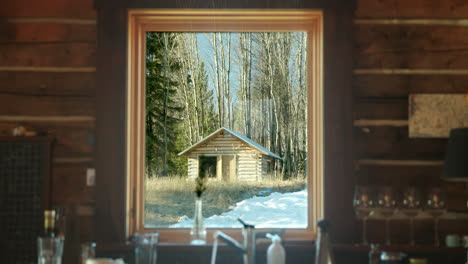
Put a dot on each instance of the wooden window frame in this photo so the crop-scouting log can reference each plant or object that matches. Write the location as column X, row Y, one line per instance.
column 141, row 21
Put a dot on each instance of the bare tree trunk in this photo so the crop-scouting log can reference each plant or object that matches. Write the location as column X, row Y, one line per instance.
column 219, row 90
column 192, row 59
column 182, row 57
column 227, row 83
column 245, row 61
column 249, row 86
column 242, row 80
column 225, row 64
column 274, row 128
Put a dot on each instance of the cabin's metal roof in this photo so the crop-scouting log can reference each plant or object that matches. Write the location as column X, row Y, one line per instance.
column 244, row 138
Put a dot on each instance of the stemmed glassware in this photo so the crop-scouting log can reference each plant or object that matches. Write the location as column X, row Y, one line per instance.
column 386, row 203
column 411, row 207
column 363, row 203
column 435, row 206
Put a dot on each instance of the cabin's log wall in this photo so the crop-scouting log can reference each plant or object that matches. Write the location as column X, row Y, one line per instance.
column 248, row 165
column 404, row 47
column 192, row 163
column 47, row 72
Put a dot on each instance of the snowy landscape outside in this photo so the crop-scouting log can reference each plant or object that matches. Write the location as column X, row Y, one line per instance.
column 278, row 210
column 231, row 108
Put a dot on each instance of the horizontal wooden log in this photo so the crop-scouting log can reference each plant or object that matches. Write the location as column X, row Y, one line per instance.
column 413, row 21
column 49, row 8
column 69, row 185
column 391, row 163
column 249, row 161
column 395, row 71
column 246, row 159
column 381, row 108
column 70, row 21
column 399, row 176
column 46, row 69
column 46, row 105
column 71, row 139
column 40, row 83
column 247, row 171
column 384, row 38
column 46, row 32
column 48, row 55
column 73, row 160
column 50, row 119
column 403, row 85
column 394, row 143
column 364, row 123
column 413, row 58
column 412, row 9
column 248, row 167
column 407, row 46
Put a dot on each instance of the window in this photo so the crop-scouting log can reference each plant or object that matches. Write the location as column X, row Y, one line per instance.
column 144, row 25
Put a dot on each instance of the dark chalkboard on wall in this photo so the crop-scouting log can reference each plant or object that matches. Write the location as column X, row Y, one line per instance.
column 24, row 194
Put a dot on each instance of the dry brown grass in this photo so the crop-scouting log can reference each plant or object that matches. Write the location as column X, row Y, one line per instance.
column 167, row 199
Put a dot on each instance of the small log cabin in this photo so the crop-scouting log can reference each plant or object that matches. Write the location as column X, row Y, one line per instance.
column 228, row 155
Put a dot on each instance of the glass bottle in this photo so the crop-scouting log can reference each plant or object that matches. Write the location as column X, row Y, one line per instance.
column 49, row 223
column 60, row 221
column 198, row 232
column 323, row 252
column 49, row 246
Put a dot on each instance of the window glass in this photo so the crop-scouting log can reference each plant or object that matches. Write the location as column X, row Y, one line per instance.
column 230, row 107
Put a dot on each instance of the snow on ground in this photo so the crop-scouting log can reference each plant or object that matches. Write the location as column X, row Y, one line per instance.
column 278, row 210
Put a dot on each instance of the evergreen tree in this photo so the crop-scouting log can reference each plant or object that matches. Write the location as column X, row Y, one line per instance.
column 162, row 110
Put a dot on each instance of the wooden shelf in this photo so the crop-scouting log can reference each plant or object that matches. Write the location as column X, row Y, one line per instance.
column 400, row 248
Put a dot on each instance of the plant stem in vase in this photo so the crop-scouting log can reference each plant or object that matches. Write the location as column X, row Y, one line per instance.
column 198, row 232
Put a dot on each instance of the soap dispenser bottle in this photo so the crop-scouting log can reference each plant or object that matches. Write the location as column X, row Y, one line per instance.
column 275, row 253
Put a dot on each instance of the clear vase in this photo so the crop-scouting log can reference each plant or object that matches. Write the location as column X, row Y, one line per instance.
column 198, row 232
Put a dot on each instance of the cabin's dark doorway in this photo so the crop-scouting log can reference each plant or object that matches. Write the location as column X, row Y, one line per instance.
column 207, row 166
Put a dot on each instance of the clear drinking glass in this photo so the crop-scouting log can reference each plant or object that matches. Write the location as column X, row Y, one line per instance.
column 386, row 203
column 411, row 207
column 363, row 203
column 49, row 250
column 145, row 248
column 435, row 206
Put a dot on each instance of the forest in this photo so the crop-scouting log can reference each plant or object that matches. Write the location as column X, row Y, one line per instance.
column 254, row 83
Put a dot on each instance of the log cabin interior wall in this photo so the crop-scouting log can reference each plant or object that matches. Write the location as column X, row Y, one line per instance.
column 404, row 47
column 47, row 71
